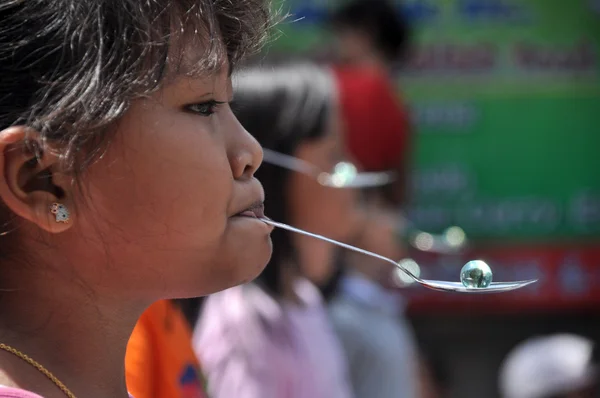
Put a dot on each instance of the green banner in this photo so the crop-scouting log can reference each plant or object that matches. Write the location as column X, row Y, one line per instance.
column 505, row 97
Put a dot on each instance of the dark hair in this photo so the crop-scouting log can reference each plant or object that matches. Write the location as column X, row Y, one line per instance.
column 385, row 25
column 69, row 68
column 282, row 107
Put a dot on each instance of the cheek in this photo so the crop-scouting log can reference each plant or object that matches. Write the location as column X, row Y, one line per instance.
column 319, row 209
column 165, row 182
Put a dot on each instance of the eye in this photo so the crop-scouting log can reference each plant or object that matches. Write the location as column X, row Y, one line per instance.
column 204, row 108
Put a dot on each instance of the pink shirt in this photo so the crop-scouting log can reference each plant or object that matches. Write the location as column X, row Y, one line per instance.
column 8, row 392
column 252, row 346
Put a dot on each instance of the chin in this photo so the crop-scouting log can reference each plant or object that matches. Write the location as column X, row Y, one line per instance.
column 239, row 267
column 251, row 268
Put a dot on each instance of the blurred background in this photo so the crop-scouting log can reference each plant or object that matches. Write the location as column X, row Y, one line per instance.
column 504, row 98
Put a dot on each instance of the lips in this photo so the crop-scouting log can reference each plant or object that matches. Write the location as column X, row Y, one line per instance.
column 255, row 211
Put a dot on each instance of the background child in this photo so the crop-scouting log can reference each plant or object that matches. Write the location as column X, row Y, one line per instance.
column 272, row 338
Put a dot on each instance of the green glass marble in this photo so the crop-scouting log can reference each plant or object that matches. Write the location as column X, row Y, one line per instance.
column 476, row 274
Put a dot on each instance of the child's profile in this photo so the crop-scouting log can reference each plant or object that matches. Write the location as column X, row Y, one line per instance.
column 125, row 178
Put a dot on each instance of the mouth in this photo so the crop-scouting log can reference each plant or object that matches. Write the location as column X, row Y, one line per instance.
column 257, row 210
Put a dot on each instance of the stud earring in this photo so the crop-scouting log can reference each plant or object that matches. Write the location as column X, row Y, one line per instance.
column 61, row 213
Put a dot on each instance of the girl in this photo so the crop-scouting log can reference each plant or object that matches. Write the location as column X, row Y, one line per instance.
column 124, row 177
column 272, row 338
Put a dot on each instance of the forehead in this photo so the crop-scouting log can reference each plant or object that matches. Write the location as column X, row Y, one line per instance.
column 190, row 69
column 194, row 55
column 193, row 88
column 195, row 64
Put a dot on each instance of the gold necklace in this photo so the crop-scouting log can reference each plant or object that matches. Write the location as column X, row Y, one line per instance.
column 39, row 367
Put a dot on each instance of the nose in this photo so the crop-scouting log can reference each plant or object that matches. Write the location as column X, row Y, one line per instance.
column 244, row 152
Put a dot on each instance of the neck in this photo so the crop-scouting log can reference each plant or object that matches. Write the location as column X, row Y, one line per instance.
column 78, row 336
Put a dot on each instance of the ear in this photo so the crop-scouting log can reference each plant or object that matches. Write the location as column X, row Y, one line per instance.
column 31, row 181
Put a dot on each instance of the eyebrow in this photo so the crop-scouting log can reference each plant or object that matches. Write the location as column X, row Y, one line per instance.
column 211, row 94
column 205, row 96
column 191, row 69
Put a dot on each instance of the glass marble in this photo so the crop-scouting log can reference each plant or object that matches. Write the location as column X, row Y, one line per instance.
column 476, row 274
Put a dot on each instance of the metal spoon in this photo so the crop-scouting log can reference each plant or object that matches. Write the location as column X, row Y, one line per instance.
column 345, row 174
column 445, row 286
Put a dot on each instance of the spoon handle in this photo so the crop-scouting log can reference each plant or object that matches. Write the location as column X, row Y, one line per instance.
column 344, row 245
column 290, row 163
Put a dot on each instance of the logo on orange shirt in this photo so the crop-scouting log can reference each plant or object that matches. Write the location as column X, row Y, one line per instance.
column 190, row 383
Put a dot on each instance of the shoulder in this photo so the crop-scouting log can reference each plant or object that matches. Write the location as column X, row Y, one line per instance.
column 233, row 329
column 361, row 80
column 235, row 318
column 9, row 392
column 358, row 74
column 238, row 305
column 309, row 293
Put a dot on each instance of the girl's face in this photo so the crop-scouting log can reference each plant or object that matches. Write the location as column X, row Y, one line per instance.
column 353, row 46
column 314, row 207
column 323, row 210
column 170, row 192
column 161, row 213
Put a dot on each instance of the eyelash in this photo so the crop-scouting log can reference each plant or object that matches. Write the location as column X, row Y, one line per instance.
column 208, row 108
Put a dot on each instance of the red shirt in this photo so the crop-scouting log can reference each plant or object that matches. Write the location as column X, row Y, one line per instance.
column 376, row 122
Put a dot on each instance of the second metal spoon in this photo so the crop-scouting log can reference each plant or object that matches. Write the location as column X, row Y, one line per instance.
column 344, row 175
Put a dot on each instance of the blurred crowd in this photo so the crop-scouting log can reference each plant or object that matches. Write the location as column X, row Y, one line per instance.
column 320, row 322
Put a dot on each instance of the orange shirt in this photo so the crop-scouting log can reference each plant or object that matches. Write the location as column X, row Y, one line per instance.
column 160, row 360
